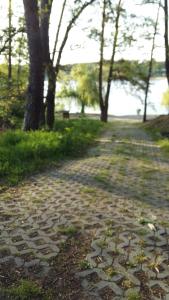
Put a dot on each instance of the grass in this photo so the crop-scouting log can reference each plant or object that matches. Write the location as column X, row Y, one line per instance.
column 69, row 231
column 25, row 290
column 164, row 143
column 142, row 231
column 111, row 272
column 133, row 296
column 102, row 176
column 84, row 265
column 88, row 190
column 23, row 153
column 128, row 150
column 102, row 244
column 161, row 141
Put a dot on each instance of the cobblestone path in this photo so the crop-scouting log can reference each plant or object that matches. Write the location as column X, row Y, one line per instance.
column 118, row 195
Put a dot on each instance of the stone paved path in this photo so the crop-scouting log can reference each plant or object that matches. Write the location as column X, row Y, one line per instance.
column 119, row 195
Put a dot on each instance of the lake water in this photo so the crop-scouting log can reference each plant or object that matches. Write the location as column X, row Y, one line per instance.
column 124, row 101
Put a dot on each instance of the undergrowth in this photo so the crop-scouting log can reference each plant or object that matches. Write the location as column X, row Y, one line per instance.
column 164, row 143
column 159, row 138
column 22, row 153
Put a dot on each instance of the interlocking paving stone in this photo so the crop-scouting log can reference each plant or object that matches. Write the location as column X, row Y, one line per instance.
column 121, row 183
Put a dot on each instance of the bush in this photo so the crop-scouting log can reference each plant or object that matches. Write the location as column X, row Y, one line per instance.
column 164, row 143
column 11, row 112
column 22, row 153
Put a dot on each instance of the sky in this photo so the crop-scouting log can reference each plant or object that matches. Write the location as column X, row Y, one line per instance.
column 89, row 50
column 79, row 47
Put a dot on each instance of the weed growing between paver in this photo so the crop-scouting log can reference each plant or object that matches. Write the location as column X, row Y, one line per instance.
column 133, row 256
column 102, row 176
column 22, row 153
column 69, row 230
column 25, row 290
column 119, row 199
column 135, row 265
column 135, row 157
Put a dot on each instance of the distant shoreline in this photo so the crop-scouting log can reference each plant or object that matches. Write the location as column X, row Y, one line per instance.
column 131, row 117
column 159, row 77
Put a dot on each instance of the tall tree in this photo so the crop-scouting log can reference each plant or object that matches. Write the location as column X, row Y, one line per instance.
column 45, row 12
column 21, row 54
column 102, row 106
column 9, row 42
column 104, row 99
column 150, row 65
column 58, row 30
column 36, row 78
column 166, row 38
column 52, row 76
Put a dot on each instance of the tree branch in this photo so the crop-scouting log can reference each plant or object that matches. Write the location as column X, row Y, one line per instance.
column 69, row 27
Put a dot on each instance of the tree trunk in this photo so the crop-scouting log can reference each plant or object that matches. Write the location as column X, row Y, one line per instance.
column 49, row 108
column 83, row 109
column 52, row 73
column 10, row 43
column 50, row 99
column 104, row 114
column 58, row 30
column 150, row 66
column 36, row 78
column 19, row 67
column 166, row 39
column 42, row 120
column 109, row 79
column 46, row 6
column 145, row 111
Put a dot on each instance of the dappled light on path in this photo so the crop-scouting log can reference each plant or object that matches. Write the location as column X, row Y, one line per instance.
column 117, row 196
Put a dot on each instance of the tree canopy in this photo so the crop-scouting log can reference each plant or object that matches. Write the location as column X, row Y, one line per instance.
column 39, row 34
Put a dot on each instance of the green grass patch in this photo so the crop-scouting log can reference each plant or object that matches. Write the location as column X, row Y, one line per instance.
column 88, row 190
column 130, row 151
column 84, row 265
column 111, row 272
column 25, row 290
column 157, row 135
column 22, row 153
column 102, row 176
column 164, row 143
column 69, row 231
column 133, row 295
